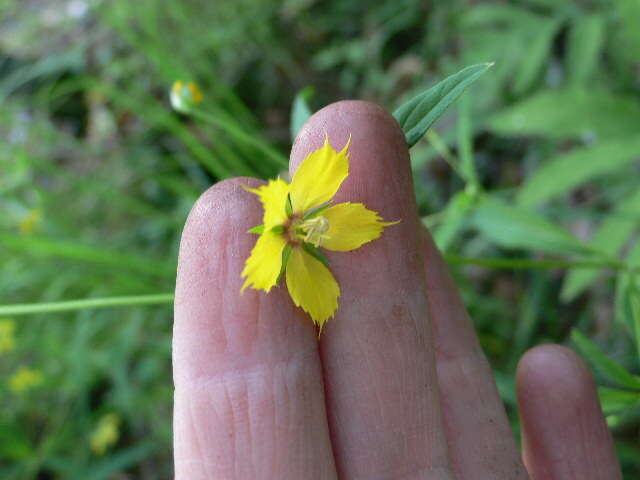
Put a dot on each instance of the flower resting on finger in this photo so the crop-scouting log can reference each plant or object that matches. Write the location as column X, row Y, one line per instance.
column 300, row 219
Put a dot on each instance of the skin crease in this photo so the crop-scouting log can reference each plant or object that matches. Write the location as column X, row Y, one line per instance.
column 397, row 387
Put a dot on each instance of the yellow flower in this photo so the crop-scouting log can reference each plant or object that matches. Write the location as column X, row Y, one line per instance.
column 299, row 219
column 184, row 96
column 30, row 222
column 23, row 379
column 106, row 433
column 7, row 340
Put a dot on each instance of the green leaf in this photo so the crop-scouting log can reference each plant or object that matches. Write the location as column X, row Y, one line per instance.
column 564, row 172
column 614, row 400
column 465, row 141
column 418, row 114
column 532, row 64
column 278, row 229
column 515, row 227
column 634, row 303
column 258, row 229
column 567, row 113
column 608, row 239
column 622, row 306
column 300, row 111
column 606, row 366
column 586, row 39
column 486, row 15
column 76, row 251
column 315, row 253
column 454, row 219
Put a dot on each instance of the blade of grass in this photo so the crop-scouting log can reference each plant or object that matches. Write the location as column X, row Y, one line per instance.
column 76, row 251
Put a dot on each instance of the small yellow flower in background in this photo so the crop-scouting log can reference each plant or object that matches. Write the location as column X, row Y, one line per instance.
column 31, row 221
column 7, row 339
column 184, row 96
column 299, row 219
column 24, row 379
column 106, row 433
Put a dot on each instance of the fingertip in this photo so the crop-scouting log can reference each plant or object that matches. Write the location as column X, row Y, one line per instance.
column 352, row 122
column 211, row 247
column 214, row 201
column 245, row 366
column 553, row 369
column 565, row 434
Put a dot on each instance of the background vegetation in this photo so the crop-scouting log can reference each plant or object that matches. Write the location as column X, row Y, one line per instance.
column 530, row 185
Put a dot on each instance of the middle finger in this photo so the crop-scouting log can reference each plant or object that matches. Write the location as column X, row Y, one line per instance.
column 377, row 354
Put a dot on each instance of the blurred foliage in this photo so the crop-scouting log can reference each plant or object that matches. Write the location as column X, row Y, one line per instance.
column 529, row 185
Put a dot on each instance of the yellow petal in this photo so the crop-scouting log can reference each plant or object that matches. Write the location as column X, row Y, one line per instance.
column 262, row 268
column 273, row 196
column 312, row 286
column 351, row 225
column 319, row 177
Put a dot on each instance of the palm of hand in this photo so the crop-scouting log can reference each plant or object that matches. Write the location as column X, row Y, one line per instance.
column 397, row 387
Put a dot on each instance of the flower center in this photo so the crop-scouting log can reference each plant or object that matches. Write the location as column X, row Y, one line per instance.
column 314, row 230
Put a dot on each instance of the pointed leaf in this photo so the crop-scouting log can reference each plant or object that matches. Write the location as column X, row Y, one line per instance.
column 300, row 111
column 568, row 113
column 606, row 366
column 418, row 114
column 532, row 64
column 564, row 172
column 514, row 227
column 586, row 39
column 611, row 235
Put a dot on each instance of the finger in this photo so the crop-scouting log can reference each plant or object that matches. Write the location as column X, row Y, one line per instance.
column 248, row 386
column 565, row 435
column 377, row 355
column 481, row 444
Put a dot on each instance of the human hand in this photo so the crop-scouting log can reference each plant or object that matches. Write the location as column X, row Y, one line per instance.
column 397, row 387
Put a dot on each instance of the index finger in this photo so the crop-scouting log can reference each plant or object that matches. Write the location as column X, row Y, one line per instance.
column 248, row 399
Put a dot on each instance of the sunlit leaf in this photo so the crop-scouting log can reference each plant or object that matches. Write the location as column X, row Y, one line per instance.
column 614, row 400
column 609, row 238
column 515, row 227
column 611, row 370
column 586, row 39
column 562, row 173
column 570, row 113
column 532, row 64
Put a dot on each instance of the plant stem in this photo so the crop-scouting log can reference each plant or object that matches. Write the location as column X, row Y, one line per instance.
column 525, row 263
column 49, row 307
column 164, row 298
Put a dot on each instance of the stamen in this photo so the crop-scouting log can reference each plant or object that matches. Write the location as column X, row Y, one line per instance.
column 315, row 229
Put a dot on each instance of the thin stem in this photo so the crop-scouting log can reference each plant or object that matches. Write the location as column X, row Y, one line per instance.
column 524, row 264
column 87, row 303
column 165, row 298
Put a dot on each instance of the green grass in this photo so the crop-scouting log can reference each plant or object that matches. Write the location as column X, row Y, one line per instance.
column 529, row 184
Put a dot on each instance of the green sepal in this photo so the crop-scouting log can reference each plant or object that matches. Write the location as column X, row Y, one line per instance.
column 315, row 253
column 288, row 207
column 317, row 211
column 278, row 229
column 258, row 230
column 286, row 253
